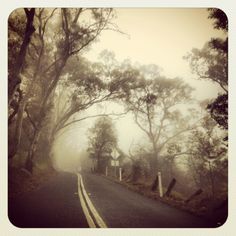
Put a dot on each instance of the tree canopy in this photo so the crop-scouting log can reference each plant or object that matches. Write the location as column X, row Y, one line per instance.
column 102, row 140
column 211, row 63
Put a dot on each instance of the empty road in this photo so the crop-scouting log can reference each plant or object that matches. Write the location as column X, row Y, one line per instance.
column 69, row 201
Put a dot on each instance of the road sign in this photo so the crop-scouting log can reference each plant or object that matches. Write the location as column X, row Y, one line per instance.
column 114, row 163
column 114, row 154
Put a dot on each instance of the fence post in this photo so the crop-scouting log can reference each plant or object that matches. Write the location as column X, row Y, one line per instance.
column 198, row 192
column 160, row 184
column 120, row 173
column 106, row 170
column 170, row 187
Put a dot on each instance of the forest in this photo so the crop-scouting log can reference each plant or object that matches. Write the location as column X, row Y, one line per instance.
column 53, row 87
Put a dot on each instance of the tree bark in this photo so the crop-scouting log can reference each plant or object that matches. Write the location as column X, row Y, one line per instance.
column 41, row 118
column 154, row 160
column 31, row 151
column 212, row 180
column 16, row 79
column 18, row 130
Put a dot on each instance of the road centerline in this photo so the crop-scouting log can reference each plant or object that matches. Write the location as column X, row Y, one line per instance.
column 90, row 207
column 84, row 207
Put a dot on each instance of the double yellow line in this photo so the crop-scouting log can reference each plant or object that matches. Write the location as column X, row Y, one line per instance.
column 93, row 218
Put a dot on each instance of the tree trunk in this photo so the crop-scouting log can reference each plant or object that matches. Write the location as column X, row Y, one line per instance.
column 99, row 164
column 31, row 151
column 15, row 80
column 154, row 160
column 212, row 180
column 18, row 130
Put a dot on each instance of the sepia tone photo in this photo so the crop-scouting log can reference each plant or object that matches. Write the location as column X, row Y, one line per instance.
column 117, row 117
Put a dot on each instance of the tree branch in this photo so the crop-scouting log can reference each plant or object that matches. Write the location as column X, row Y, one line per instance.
column 30, row 119
column 93, row 116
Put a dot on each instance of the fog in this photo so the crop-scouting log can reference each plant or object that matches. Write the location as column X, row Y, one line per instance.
column 152, row 36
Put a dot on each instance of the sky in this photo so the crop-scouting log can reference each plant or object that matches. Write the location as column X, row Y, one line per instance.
column 161, row 36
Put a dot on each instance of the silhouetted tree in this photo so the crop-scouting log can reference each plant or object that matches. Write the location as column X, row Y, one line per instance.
column 102, row 140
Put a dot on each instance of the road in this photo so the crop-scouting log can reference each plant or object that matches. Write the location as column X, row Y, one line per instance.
column 55, row 205
column 99, row 203
column 123, row 208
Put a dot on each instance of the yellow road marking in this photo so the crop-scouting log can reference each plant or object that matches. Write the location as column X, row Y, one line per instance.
column 84, row 207
column 97, row 217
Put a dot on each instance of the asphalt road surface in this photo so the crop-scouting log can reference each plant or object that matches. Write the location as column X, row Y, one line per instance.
column 55, row 205
column 122, row 208
column 58, row 205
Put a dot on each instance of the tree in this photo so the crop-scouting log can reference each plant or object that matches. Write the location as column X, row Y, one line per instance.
column 71, row 38
column 30, row 77
column 47, row 56
column 154, row 104
column 219, row 111
column 140, row 165
column 88, row 84
column 14, row 77
column 102, row 140
column 211, row 63
column 207, row 155
column 219, row 17
column 84, row 86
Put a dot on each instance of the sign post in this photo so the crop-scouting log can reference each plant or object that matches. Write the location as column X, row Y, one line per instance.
column 160, row 184
column 115, row 162
column 106, row 170
column 120, row 174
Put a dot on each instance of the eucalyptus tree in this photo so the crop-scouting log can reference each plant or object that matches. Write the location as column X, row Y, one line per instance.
column 77, row 29
column 155, row 101
column 19, row 39
column 85, row 84
column 33, row 82
column 60, row 35
column 211, row 63
column 155, row 106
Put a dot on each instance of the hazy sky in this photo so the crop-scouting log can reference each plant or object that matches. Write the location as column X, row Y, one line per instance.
column 162, row 37
column 155, row 36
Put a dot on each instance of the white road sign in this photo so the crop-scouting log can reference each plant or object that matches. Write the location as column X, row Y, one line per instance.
column 114, row 163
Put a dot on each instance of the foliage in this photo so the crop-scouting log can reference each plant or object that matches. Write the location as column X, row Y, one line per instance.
column 219, row 17
column 102, row 140
column 219, row 110
column 58, row 35
column 16, row 28
column 207, row 154
column 154, row 104
column 211, row 63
